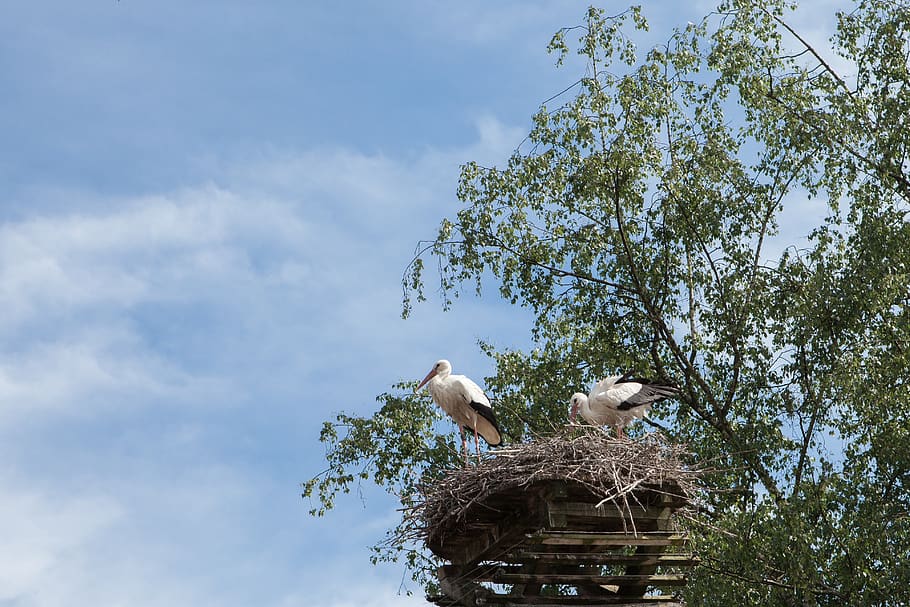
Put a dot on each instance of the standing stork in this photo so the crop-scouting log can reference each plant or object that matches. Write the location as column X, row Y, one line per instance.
column 617, row 400
column 465, row 402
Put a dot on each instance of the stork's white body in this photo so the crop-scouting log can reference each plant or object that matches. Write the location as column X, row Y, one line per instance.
column 465, row 403
column 617, row 402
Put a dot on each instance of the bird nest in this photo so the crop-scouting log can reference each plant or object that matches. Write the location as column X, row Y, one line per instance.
column 625, row 473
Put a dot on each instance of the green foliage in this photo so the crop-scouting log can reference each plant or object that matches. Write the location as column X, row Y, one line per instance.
column 395, row 449
column 640, row 225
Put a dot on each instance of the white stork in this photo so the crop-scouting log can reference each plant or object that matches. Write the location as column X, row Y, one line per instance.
column 617, row 400
column 465, row 402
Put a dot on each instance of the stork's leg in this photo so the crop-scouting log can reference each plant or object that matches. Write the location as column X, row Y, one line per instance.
column 619, row 433
column 476, row 444
column 464, row 444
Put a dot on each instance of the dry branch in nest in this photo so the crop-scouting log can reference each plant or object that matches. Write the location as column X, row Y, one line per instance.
column 618, row 472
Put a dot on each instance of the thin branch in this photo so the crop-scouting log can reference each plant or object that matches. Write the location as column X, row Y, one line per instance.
column 809, row 48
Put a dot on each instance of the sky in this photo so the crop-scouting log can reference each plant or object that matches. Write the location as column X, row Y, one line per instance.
column 205, row 212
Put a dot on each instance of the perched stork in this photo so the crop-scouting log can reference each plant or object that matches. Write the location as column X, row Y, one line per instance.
column 465, row 402
column 617, row 400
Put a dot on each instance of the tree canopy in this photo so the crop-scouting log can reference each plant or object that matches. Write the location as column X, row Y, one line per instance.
column 652, row 221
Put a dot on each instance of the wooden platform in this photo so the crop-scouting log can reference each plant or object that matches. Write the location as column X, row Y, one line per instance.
column 556, row 544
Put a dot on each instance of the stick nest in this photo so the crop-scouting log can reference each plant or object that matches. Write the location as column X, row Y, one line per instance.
column 615, row 471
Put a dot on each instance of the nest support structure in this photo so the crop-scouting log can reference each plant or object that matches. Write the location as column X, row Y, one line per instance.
column 575, row 519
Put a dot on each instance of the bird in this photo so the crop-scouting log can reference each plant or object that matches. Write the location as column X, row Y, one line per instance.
column 617, row 400
column 465, row 403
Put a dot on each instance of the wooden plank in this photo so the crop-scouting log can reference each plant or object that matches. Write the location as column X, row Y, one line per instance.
column 460, row 589
column 612, row 511
column 524, row 589
column 662, row 600
column 602, row 558
column 499, row 577
column 646, row 568
column 636, row 589
column 599, row 538
column 537, row 547
column 477, row 546
column 555, row 491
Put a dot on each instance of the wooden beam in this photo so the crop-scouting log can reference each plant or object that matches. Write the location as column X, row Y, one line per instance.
column 599, row 538
column 459, row 588
column 488, row 541
column 602, row 558
column 499, row 577
column 636, row 589
column 552, row 495
column 560, row 513
column 525, row 589
column 663, row 600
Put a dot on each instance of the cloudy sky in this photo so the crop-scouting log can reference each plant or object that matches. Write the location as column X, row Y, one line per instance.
column 205, row 211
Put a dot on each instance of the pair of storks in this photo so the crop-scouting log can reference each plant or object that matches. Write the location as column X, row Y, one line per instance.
column 614, row 401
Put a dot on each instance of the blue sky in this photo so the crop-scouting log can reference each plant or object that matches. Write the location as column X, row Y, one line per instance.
column 205, row 212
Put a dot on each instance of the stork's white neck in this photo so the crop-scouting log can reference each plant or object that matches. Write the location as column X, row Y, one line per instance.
column 437, row 383
column 584, row 408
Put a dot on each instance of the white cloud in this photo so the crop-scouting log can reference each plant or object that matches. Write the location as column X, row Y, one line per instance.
column 206, row 534
column 41, row 532
column 99, row 548
column 88, row 367
column 130, row 323
column 75, row 288
column 145, row 250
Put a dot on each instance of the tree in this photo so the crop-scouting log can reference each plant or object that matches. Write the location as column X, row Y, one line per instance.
column 640, row 222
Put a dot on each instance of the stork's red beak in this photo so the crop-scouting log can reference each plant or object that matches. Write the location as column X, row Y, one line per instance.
column 429, row 376
column 573, row 413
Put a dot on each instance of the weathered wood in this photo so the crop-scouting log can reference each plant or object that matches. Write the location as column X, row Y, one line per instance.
column 587, row 588
column 486, row 539
column 524, row 589
column 631, row 588
column 607, row 538
column 535, row 503
column 556, row 534
column 591, row 511
column 499, row 577
column 602, row 558
column 582, row 601
column 461, row 589
column 553, row 494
